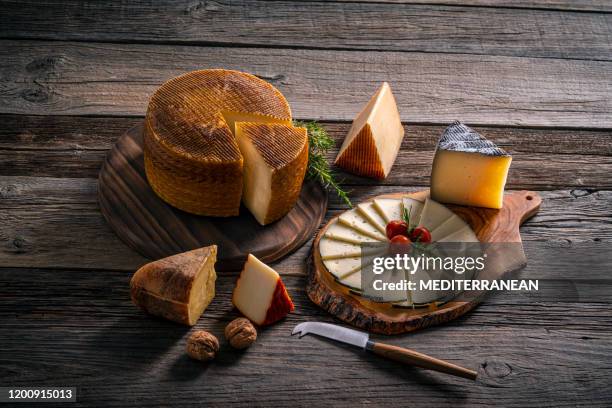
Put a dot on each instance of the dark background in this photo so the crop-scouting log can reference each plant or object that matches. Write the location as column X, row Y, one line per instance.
column 533, row 76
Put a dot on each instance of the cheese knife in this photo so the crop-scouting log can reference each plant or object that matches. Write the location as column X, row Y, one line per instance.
column 402, row 355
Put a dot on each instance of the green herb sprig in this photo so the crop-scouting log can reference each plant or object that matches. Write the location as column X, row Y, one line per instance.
column 319, row 142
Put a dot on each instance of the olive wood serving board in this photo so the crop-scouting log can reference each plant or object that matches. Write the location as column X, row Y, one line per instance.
column 155, row 229
column 490, row 225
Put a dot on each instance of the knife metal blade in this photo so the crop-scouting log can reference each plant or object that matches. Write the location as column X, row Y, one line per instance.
column 334, row 332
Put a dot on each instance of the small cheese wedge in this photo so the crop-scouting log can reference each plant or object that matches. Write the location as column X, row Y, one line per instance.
column 388, row 208
column 332, row 249
column 260, row 294
column 434, row 214
column 469, row 169
column 372, row 144
column 413, row 208
column 177, row 288
column 465, row 234
column 368, row 211
column 354, row 220
column 275, row 160
column 453, row 224
column 340, row 232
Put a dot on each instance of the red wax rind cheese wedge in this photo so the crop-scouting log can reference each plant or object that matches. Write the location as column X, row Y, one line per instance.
column 260, row 294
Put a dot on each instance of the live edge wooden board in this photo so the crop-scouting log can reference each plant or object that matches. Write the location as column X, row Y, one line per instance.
column 156, row 230
column 489, row 225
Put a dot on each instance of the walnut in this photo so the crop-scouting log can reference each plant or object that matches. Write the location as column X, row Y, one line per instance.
column 240, row 333
column 202, row 345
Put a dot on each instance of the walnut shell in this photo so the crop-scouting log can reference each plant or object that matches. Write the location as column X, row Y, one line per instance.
column 202, row 345
column 240, row 333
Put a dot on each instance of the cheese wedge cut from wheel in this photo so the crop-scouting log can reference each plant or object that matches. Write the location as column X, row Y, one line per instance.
column 469, row 169
column 368, row 211
column 413, row 208
column 450, row 226
column 372, row 144
column 389, row 208
column 260, row 294
column 275, row 160
column 177, row 288
column 340, row 232
column 434, row 214
column 354, row 220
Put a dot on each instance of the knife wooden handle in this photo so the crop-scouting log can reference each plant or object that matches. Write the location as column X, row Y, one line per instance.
column 411, row 357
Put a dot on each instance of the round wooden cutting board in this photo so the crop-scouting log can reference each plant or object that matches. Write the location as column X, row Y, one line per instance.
column 489, row 225
column 156, row 230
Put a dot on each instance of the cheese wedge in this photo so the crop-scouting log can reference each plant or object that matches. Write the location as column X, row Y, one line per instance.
column 354, row 220
column 192, row 159
column 372, row 144
column 469, row 169
column 465, row 234
column 413, row 208
column 389, row 208
column 368, row 211
column 177, row 288
column 260, row 294
column 340, row 232
column 434, row 214
column 453, row 224
column 275, row 160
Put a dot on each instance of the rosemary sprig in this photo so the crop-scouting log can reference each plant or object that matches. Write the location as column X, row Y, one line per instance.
column 319, row 142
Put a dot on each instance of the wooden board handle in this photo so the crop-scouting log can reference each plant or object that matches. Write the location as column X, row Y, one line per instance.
column 411, row 357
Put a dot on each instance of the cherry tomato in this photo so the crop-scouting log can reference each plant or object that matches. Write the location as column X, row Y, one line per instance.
column 420, row 234
column 400, row 244
column 400, row 239
column 396, row 227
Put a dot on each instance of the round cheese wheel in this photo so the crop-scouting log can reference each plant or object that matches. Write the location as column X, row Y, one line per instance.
column 192, row 159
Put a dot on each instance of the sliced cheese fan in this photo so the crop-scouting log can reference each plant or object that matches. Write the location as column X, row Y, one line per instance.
column 372, row 144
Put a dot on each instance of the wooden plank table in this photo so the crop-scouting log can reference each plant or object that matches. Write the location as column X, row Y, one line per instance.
column 535, row 77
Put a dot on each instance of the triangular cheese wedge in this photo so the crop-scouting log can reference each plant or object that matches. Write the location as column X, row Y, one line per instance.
column 468, row 169
column 260, row 293
column 374, row 139
column 177, row 288
column 275, row 160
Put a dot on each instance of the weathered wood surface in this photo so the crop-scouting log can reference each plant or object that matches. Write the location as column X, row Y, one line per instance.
column 543, row 159
column 322, row 25
column 81, row 328
column 54, row 78
column 55, row 222
column 537, row 75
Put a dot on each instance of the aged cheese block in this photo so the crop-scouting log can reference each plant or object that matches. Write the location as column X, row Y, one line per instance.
column 275, row 159
column 192, row 159
column 177, row 288
column 469, row 169
column 260, row 293
column 374, row 139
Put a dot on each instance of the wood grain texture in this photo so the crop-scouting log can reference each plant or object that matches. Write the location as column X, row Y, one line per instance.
column 489, row 225
column 80, row 328
column 543, row 159
column 375, row 26
column 54, row 78
column 581, row 5
column 56, row 223
column 157, row 230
